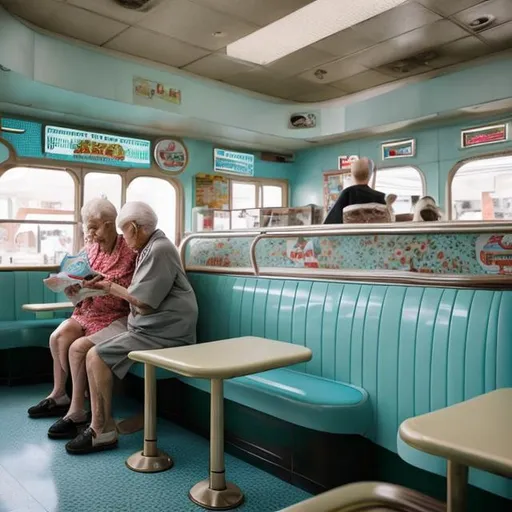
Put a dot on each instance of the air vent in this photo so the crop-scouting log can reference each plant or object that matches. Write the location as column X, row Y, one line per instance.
column 137, row 5
column 481, row 23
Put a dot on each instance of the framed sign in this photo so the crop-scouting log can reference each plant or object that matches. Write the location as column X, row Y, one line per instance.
column 212, row 191
column 302, row 120
column 399, row 149
column 334, row 183
column 232, row 162
column 155, row 91
column 484, row 135
column 98, row 148
column 171, row 155
column 345, row 162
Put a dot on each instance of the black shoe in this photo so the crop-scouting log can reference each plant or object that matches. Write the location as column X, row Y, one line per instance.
column 48, row 408
column 86, row 443
column 66, row 428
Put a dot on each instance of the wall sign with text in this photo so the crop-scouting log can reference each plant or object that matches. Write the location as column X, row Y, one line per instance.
column 232, row 162
column 399, row 149
column 345, row 162
column 98, row 148
column 171, row 155
column 484, row 135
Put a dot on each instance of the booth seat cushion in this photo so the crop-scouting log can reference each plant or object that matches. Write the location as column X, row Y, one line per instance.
column 27, row 333
column 299, row 398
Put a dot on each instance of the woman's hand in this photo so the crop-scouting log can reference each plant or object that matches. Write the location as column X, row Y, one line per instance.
column 72, row 290
column 97, row 283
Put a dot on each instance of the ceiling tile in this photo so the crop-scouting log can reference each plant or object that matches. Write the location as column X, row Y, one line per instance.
column 407, row 45
column 319, row 93
column 155, row 47
column 83, row 25
column 218, row 66
column 345, row 42
column 259, row 12
column 366, row 80
column 499, row 37
column 196, row 24
column 110, row 10
column 300, row 61
column 459, row 51
column 337, row 70
column 256, row 80
column 396, row 21
column 500, row 9
column 37, row 12
column 449, row 7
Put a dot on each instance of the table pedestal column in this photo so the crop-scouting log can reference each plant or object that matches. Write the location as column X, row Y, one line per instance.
column 215, row 493
column 457, row 477
column 150, row 459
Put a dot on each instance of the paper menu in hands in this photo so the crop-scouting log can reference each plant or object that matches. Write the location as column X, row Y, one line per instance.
column 74, row 269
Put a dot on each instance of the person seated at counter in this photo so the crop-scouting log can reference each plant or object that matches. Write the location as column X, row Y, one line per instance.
column 163, row 313
column 426, row 210
column 94, row 320
column 359, row 193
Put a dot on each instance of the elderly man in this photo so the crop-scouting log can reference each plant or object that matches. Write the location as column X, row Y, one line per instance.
column 163, row 313
column 359, row 193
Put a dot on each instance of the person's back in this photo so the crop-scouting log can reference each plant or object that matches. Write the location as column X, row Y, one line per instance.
column 359, row 193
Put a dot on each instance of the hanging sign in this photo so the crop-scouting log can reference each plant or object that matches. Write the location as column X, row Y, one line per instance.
column 232, row 162
column 98, row 148
column 399, row 149
column 484, row 135
column 171, row 155
column 344, row 162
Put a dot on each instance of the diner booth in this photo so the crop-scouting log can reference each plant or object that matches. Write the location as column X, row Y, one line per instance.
column 398, row 336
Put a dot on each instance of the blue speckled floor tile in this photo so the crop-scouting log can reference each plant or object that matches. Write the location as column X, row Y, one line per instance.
column 45, row 477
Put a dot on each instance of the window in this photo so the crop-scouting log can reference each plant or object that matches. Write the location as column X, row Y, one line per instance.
column 405, row 182
column 37, row 223
column 160, row 194
column 102, row 184
column 482, row 190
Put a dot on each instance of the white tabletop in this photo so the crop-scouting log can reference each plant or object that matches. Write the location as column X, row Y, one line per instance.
column 50, row 306
column 477, row 432
column 225, row 359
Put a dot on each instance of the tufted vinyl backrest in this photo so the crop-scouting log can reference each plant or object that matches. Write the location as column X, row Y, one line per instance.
column 413, row 349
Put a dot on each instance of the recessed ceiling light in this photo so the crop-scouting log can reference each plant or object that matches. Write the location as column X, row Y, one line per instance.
column 315, row 21
column 481, row 22
column 218, row 34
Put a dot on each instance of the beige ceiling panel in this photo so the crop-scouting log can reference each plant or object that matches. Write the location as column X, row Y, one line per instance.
column 366, row 80
column 319, row 93
column 396, row 21
column 196, row 24
column 345, row 42
column 300, row 61
column 254, row 78
column 259, row 12
column 110, row 9
column 500, row 9
column 292, row 87
column 459, row 51
column 155, row 47
column 449, row 7
column 218, row 66
column 408, row 45
column 499, row 37
column 337, row 70
column 83, row 25
column 38, row 12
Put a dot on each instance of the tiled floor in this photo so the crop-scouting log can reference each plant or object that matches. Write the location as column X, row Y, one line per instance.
column 36, row 474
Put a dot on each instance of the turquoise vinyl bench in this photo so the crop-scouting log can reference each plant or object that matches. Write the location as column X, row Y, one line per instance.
column 305, row 400
column 18, row 328
column 413, row 349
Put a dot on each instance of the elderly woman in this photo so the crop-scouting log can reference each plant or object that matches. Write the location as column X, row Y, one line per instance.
column 163, row 313
column 94, row 320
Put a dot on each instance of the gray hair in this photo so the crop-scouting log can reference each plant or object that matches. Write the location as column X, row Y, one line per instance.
column 98, row 208
column 140, row 213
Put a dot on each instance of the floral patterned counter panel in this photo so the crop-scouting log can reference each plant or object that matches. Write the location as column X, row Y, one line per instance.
column 442, row 253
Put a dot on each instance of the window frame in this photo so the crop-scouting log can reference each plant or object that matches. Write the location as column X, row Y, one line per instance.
column 78, row 173
column 260, row 183
column 453, row 171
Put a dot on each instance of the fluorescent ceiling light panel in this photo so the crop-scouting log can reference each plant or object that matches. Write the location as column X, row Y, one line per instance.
column 315, row 21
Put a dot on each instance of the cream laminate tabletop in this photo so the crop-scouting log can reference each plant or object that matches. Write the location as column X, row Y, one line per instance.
column 50, row 306
column 225, row 359
column 476, row 433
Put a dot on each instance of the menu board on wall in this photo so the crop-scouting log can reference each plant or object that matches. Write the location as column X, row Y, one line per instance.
column 212, row 191
column 334, row 183
column 233, row 162
column 97, row 148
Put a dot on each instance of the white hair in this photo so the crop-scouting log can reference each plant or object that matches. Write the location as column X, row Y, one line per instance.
column 140, row 213
column 426, row 209
column 98, row 208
